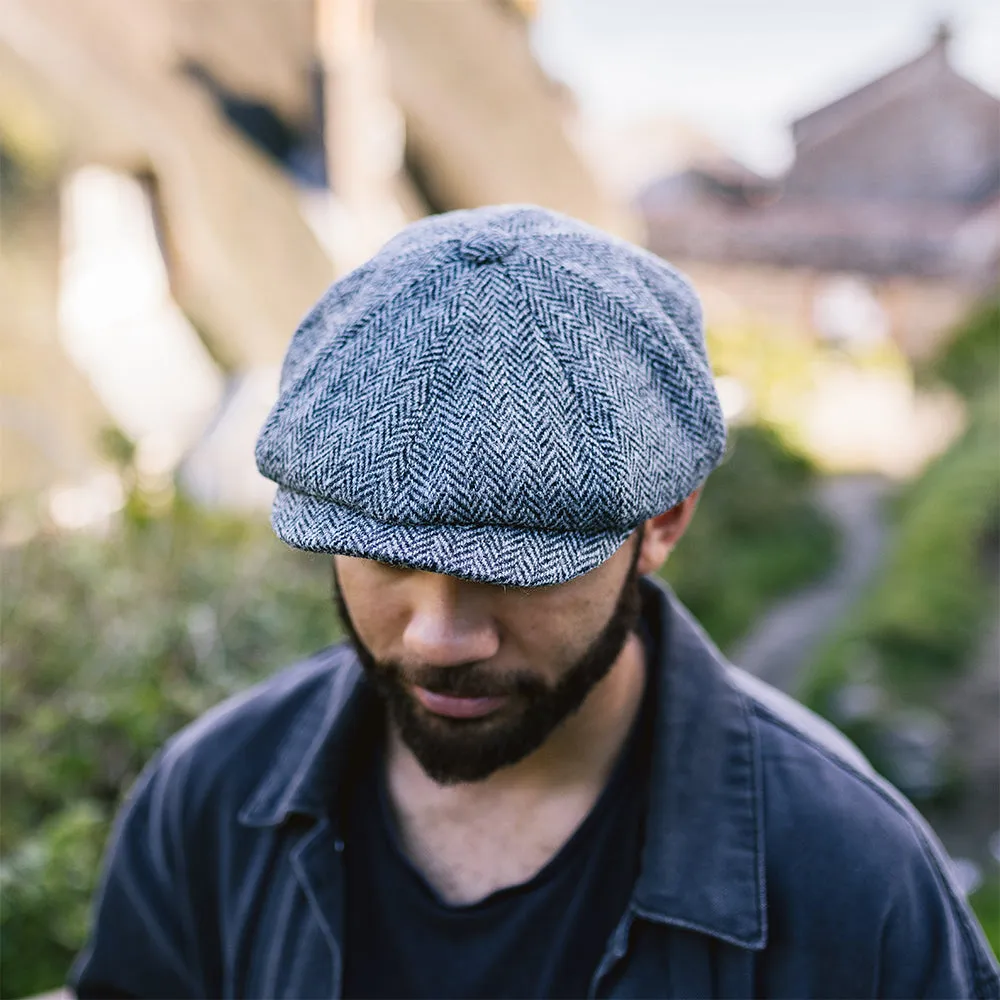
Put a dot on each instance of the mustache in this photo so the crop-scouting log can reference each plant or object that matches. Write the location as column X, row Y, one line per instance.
column 465, row 680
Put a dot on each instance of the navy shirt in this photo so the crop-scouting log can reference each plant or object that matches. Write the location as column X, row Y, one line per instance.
column 542, row 938
column 774, row 863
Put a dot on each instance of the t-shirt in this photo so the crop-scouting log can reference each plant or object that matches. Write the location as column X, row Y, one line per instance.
column 542, row 938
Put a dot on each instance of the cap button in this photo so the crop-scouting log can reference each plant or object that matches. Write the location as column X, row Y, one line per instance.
column 486, row 247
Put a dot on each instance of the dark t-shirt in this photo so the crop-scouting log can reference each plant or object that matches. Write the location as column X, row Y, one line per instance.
column 543, row 938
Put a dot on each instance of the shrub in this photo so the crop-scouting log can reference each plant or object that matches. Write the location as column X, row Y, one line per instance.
column 882, row 675
column 110, row 645
column 971, row 361
column 986, row 905
column 757, row 535
column 934, row 595
column 926, row 610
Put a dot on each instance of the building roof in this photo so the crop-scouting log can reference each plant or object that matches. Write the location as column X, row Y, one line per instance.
column 901, row 175
column 933, row 62
column 927, row 241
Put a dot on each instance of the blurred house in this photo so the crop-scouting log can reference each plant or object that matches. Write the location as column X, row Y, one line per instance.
column 182, row 180
column 886, row 224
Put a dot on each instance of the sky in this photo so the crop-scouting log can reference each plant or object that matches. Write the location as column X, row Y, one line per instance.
column 741, row 70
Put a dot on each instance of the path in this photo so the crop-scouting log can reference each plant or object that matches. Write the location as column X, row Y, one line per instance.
column 784, row 640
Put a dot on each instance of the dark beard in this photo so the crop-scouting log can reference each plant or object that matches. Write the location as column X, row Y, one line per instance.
column 452, row 751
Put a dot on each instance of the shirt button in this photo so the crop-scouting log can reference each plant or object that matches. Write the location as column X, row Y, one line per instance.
column 338, row 846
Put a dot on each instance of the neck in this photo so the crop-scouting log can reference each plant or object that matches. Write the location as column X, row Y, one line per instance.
column 576, row 759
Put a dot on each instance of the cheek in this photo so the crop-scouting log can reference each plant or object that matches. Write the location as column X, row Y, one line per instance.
column 551, row 635
column 379, row 625
column 377, row 617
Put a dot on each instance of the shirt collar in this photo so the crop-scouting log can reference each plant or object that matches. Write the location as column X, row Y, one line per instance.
column 703, row 859
column 310, row 765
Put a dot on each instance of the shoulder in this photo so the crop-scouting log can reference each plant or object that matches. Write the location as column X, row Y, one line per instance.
column 848, row 859
column 817, row 784
column 777, row 709
column 822, row 796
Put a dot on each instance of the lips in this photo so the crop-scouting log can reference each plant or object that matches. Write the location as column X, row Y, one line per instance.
column 453, row 707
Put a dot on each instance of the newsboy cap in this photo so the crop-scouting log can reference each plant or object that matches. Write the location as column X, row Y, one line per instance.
column 501, row 394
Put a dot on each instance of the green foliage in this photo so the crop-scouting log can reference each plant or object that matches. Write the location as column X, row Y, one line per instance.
column 922, row 620
column 46, row 884
column 986, row 905
column 934, row 595
column 110, row 645
column 971, row 361
column 924, row 613
column 844, row 658
column 756, row 536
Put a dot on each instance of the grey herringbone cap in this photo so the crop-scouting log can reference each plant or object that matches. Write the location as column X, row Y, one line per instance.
column 500, row 394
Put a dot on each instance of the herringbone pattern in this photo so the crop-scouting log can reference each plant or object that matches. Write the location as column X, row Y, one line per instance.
column 501, row 394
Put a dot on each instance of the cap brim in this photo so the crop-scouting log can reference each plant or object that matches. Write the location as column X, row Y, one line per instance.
column 512, row 557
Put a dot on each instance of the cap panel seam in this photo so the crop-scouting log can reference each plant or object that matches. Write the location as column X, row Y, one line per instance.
column 573, row 395
column 682, row 380
column 350, row 332
column 434, row 394
column 639, row 314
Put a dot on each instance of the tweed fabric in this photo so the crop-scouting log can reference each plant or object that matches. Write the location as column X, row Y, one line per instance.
column 501, row 394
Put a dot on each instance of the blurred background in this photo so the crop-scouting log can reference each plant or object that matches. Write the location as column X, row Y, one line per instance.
column 181, row 179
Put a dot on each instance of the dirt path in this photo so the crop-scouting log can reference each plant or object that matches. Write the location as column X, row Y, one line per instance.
column 784, row 640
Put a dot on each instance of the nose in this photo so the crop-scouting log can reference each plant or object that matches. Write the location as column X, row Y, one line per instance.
column 449, row 622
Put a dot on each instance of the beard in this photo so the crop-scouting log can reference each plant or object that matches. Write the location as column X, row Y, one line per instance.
column 453, row 751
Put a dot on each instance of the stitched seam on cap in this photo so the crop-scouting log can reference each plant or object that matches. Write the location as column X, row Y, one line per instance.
column 350, row 332
column 708, row 460
column 625, row 306
column 433, row 393
column 704, row 464
column 569, row 380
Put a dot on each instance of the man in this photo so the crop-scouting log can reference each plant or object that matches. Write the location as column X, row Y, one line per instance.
column 529, row 773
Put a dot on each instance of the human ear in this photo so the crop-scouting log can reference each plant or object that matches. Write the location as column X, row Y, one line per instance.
column 663, row 532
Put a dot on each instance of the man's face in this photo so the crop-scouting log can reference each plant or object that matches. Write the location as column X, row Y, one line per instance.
column 475, row 676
